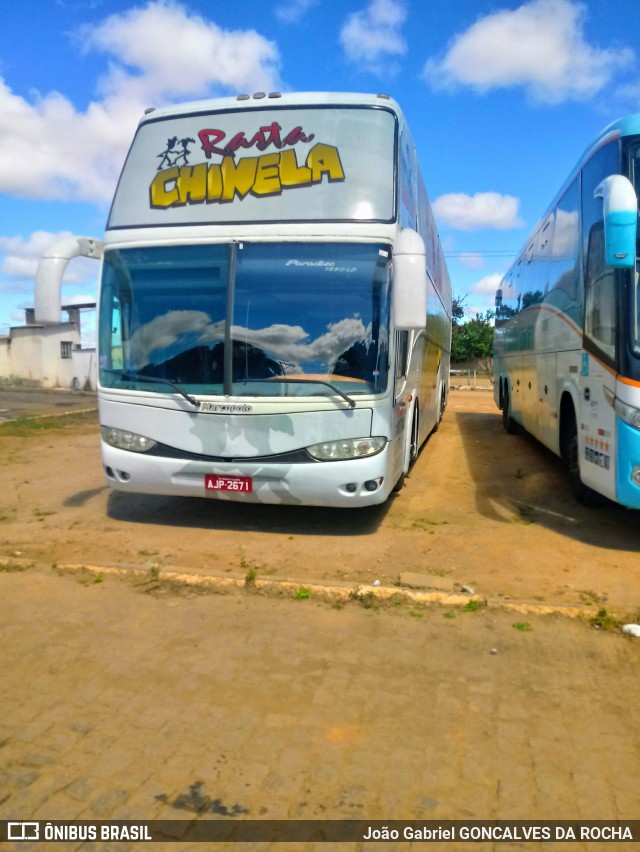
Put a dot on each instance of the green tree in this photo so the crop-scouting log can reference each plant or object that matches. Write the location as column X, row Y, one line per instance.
column 457, row 309
column 473, row 339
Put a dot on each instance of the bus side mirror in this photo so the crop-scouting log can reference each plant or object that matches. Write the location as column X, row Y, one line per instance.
column 47, row 297
column 620, row 215
column 409, row 281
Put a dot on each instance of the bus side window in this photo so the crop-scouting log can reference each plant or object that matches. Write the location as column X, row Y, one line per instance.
column 565, row 253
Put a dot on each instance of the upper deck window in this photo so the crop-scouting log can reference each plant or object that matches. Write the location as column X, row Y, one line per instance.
column 302, row 164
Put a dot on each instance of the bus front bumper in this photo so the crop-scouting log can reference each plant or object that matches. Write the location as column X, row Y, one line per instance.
column 352, row 483
column 628, row 466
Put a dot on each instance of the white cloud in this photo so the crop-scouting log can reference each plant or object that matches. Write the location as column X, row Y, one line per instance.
column 540, row 45
column 292, row 11
column 21, row 256
column 481, row 296
column 477, row 212
column 372, row 36
column 157, row 53
column 174, row 53
column 487, row 286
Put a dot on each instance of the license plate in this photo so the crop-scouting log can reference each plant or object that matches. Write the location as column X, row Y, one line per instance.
column 216, row 482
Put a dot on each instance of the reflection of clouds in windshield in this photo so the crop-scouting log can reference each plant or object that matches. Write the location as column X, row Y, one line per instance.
column 291, row 343
column 287, row 343
column 163, row 332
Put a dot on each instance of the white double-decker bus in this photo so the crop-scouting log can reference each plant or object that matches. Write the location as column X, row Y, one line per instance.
column 275, row 311
column 567, row 341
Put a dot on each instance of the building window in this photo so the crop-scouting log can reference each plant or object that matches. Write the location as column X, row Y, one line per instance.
column 65, row 348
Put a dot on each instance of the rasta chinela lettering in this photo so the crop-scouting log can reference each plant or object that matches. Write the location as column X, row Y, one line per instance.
column 262, row 176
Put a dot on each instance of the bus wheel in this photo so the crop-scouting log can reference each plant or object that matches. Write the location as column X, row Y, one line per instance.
column 441, row 407
column 508, row 422
column 583, row 494
column 399, row 485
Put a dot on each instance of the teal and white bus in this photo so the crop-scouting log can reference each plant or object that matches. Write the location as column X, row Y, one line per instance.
column 274, row 310
column 567, row 342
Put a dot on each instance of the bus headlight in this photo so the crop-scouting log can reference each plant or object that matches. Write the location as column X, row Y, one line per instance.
column 628, row 413
column 351, row 448
column 125, row 440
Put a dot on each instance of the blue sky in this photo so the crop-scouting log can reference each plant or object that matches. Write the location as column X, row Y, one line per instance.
column 502, row 97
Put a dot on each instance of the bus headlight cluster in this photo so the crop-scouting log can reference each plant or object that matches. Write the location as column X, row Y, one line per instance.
column 125, row 440
column 628, row 413
column 351, row 448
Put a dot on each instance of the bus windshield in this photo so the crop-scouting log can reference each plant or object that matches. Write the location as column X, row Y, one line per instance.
column 247, row 319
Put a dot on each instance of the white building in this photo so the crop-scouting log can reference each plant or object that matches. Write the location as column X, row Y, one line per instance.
column 50, row 354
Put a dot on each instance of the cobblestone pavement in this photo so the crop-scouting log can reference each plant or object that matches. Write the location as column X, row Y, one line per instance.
column 143, row 702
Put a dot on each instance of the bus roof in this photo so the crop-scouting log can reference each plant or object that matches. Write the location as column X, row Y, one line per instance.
column 628, row 125
column 275, row 99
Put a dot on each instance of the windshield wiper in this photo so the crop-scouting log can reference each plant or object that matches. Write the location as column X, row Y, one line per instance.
column 136, row 377
column 352, row 402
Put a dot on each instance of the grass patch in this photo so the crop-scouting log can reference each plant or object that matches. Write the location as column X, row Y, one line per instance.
column 249, row 565
column 367, row 600
column 19, row 382
column 522, row 626
column 11, row 567
column 25, row 427
column 588, row 596
column 302, row 594
column 603, row 620
column 472, row 606
column 42, row 513
column 425, row 523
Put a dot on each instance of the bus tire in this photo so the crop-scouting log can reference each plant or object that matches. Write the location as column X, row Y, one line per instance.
column 583, row 493
column 510, row 425
column 442, row 404
column 399, row 484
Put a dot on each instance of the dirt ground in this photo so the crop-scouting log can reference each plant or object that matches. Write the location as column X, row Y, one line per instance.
column 481, row 509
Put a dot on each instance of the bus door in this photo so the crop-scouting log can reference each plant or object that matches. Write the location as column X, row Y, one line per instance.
column 401, row 406
column 597, row 419
column 598, row 376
